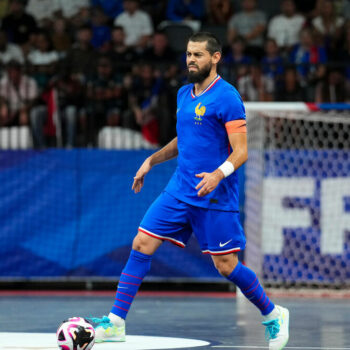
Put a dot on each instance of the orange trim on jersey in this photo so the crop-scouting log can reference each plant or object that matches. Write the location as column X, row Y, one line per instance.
column 236, row 126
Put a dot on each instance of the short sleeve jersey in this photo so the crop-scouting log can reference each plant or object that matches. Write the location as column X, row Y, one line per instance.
column 203, row 123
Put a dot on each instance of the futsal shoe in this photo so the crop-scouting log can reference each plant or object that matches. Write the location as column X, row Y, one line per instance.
column 277, row 330
column 107, row 331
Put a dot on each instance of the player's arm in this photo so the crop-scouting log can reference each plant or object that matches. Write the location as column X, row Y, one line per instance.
column 238, row 140
column 169, row 151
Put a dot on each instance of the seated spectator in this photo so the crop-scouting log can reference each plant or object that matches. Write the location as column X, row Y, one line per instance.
column 70, row 94
column 272, row 62
column 18, row 25
column 69, row 9
column 101, row 32
column 111, row 8
column 43, row 11
column 18, row 94
column 328, row 25
column 81, row 58
column 9, row 51
column 19, row 101
column 285, row 27
column 180, row 10
column 219, row 12
column 159, row 53
column 137, row 25
column 333, row 88
column 236, row 62
column 144, row 95
column 254, row 86
column 60, row 38
column 249, row 23
column 44, row 60
column 121, row 55
column 343, row 54
column 105, row 98
column 290, row 89
column 310, row 60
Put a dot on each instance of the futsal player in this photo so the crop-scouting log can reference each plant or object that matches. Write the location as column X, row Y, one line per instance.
column 201, row 196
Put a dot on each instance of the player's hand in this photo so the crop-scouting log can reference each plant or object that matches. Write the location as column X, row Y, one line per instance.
column 140, row 176
column 209, row 182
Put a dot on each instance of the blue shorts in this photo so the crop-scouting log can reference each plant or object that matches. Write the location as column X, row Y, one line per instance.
column 218, row 232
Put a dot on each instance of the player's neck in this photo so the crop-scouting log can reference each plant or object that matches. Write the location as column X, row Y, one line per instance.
column 200, row 87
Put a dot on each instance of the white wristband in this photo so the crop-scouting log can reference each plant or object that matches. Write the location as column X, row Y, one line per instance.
column 227, row 168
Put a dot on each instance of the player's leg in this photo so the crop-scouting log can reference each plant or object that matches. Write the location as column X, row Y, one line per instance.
column 220, row 234
column 276, row 318
column 165, row 220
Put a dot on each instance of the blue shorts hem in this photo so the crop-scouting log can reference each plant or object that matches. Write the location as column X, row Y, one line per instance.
column 163, row 238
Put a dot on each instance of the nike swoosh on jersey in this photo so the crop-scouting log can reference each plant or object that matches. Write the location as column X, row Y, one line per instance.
column 223, row 244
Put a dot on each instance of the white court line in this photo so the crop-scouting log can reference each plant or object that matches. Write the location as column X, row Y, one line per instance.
column 265, row 347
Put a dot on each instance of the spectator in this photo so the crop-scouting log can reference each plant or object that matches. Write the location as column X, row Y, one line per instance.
column 272, row 62
column 106, row 100
column 285, row 27
column 44, row 60
column 180, row 10
column 310, row 60
column 290, row 89
column 60, row 38
column 43, row 11
column 159, row 53
column 137, row 25
column 80, row 58
column 328, row 25
column 144, row 97
column 101, row 32
column 112, row 8
column 255, row 86
column 70, row 101
column 69, row 9
column 219, row 11
column 249, row 23
column 333, row 88
column 18, row 94
column 9, row 51
column 121, row 55
column 18, row 24
column 236, row 62
column 4, row 5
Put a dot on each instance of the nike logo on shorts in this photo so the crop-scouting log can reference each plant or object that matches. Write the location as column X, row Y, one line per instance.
column 223, row 244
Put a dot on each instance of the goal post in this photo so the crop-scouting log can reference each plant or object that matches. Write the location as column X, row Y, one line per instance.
column 297, row 194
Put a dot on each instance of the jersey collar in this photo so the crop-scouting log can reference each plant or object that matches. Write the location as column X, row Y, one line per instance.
column 207, row 88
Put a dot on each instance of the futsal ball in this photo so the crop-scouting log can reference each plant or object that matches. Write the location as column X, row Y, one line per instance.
column 76, row 333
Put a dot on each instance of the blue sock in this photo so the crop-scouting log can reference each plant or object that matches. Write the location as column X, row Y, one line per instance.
column 248, row 283
column 129, row 282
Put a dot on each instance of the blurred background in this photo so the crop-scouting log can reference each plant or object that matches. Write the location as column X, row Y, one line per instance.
column 88, row 90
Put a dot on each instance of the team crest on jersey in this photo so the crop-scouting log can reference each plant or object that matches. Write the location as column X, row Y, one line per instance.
column 200, row 111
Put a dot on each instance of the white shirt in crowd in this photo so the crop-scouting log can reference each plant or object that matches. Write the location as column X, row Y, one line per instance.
column 285, row 30
column 318, row 24
column 12, row 52
column 39, row 58
column 41, row 9
column 135, row 26
column 16, row 98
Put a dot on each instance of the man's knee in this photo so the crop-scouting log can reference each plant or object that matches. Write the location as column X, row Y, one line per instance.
column 225, row 264
column 145, row 244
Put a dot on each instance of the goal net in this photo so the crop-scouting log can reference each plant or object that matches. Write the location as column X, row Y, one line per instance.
column 297, row 205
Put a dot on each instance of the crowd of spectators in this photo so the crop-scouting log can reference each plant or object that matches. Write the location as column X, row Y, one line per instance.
column 85, row 64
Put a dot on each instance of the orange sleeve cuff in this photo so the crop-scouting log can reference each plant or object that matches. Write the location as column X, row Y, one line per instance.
column 236, row 126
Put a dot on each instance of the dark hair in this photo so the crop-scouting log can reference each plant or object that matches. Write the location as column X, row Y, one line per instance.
column 213, row 43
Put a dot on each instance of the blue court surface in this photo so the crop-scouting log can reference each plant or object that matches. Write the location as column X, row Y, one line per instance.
column 195, row 320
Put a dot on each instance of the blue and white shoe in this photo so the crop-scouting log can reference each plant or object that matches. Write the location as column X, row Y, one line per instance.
column 277, row 330
column 106, row 331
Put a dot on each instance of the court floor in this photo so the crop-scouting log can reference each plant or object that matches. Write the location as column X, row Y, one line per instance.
column 215, row 320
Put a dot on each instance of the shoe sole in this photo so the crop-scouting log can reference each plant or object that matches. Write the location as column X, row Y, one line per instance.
column 287, row 314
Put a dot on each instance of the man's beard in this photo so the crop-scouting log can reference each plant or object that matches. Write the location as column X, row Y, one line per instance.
column 199, row 75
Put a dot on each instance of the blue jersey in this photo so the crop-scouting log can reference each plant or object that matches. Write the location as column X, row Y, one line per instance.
column 202, row 126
